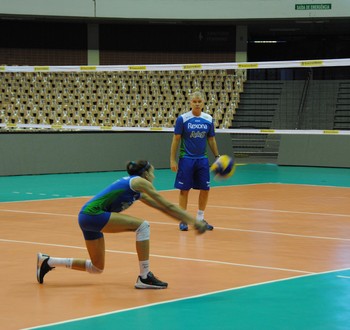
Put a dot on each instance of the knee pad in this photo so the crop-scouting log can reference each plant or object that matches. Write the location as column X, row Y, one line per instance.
column 91, row 268
column 143, row 232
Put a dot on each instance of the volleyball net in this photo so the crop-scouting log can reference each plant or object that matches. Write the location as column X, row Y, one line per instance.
column 287, row 97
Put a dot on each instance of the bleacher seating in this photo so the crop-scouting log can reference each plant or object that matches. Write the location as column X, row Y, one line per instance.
column 131, row 99
column 342, row 108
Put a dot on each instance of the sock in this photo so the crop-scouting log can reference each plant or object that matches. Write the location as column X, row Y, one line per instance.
column 200, row 215
column 144, row 268
column 60, row 262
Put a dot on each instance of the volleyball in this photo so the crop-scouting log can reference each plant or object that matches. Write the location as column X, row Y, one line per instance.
column 223, row 167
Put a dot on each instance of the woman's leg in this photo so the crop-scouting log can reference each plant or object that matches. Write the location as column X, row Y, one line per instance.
column 96, row 249
column 122, row 222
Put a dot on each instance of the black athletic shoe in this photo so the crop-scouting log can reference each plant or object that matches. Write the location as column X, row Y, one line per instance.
column 151, row 282
column 42, row 267
column 209, row 227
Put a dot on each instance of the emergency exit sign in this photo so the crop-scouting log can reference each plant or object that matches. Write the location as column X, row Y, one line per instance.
column 313, row 6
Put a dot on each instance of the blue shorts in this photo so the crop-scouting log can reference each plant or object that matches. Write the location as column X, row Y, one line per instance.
column 91, row 225
column 193, row 173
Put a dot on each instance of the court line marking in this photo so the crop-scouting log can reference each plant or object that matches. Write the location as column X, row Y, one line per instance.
column 172, row 189
column 299, row 184
column 277, row 211
column 164, row 256
column 284, row 234
column 213, row 206
column 187, row 298
column 216, row 228
column 217, row 206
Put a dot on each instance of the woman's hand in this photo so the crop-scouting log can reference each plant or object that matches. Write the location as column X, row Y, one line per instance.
column 200, row 226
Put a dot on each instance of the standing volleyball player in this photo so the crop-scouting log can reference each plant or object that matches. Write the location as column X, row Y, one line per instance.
column 194, row 129
column 102, row 214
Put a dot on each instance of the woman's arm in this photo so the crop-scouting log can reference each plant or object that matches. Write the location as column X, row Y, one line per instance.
column 150, row 202
column 151, row 197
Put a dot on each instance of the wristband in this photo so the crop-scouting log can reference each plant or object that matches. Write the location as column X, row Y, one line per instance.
column 216, row 157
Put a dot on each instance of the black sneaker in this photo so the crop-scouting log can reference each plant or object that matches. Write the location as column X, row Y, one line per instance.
column 209, row 227
column 42, row 267
column 151, row 282
column 183, row 226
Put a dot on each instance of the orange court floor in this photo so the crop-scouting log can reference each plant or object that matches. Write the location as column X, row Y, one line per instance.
column 264, row 233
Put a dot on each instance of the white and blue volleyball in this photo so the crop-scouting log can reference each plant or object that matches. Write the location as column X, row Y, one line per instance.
column 223, row 167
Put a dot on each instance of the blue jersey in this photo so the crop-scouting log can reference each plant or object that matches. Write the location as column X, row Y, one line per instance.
column 194, row 132
column 115, row 198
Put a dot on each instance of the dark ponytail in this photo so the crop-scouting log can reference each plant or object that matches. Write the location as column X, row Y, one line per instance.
column 138, row 168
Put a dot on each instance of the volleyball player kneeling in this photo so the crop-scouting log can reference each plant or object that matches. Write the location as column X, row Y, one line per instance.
column 102, row 214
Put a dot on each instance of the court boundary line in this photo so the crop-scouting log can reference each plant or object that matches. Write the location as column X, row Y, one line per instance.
column 163, row 256
column 187, row 298
column 191, row 204
column 222, row 228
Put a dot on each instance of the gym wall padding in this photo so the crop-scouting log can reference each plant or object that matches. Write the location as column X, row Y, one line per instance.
column 75, row 152
column 315, row 150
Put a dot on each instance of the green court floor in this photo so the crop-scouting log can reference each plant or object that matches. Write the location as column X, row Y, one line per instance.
column 323, row 305
column 34, row 187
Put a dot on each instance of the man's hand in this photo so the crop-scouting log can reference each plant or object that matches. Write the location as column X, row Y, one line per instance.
column 173, row 165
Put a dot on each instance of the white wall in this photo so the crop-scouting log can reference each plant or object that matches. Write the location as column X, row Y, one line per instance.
column 175, row 9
